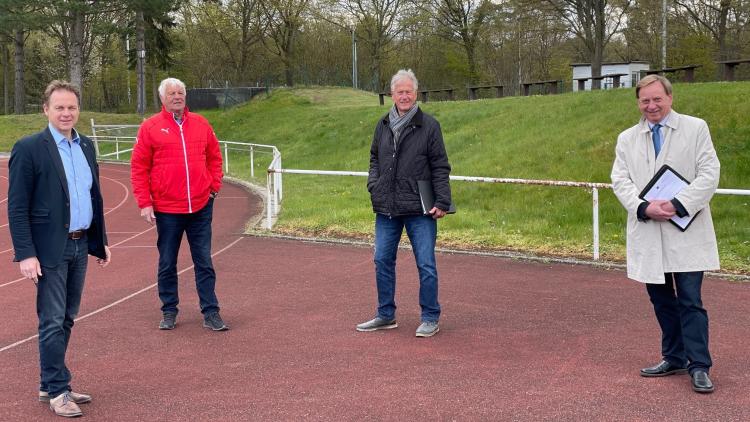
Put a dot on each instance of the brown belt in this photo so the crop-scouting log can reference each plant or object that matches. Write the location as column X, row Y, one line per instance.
column 76, row 234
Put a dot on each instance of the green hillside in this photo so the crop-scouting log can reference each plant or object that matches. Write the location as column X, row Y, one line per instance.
column 564, row 137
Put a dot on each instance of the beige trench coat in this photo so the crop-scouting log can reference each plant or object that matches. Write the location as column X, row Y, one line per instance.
column 653, row 247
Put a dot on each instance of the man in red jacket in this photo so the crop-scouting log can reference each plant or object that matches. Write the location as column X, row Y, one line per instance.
column 176, row 174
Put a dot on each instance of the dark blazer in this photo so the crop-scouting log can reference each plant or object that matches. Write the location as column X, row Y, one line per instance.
column 38, row 200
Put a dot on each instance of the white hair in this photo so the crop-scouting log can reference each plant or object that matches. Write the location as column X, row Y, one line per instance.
column 169, row 81
column 404, row 74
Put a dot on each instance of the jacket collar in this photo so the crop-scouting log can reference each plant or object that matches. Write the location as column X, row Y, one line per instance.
column 169, row 116
column 673, row 122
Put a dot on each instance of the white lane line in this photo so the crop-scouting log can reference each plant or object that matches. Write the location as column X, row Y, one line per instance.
column 125, row 198
column 13, row 282
column 117, row 302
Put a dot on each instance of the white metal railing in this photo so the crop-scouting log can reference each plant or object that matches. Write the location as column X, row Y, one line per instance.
column 593, row 186
column 101, row 134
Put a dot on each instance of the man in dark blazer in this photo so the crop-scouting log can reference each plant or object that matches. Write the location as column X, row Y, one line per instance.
column 56, row 219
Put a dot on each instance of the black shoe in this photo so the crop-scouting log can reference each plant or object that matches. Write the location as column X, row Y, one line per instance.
column 663, row 369
column 214, row 322
column 702, row 383
column 168, row 321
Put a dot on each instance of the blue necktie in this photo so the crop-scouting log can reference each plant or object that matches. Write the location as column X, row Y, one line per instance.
column 656, row 136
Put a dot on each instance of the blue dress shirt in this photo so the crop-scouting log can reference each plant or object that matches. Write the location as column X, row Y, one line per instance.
column 79, row 178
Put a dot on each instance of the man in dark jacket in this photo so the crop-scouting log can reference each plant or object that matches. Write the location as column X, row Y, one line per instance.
column 407, row 147
column 56, row 219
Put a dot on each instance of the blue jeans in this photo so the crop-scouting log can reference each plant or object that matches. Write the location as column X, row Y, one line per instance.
column 422, row 232
column 58, row 298
column 197, row 226
column 683, row 321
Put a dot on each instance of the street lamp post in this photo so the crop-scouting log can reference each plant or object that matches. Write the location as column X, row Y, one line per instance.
column 127, row 68
column 354, row 60
column 664, row 34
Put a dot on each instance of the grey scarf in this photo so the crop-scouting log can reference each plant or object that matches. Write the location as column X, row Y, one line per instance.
column 397, row 122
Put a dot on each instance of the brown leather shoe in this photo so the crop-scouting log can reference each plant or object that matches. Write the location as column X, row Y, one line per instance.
column 78, row 398
column 64, row 406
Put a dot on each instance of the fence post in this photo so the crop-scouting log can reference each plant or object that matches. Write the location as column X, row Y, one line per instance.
column 117, row 147
column 93, row 135
column 269, row 206
column 595, row 196
column 252, row 162
column 226, row 158
column 279, row 187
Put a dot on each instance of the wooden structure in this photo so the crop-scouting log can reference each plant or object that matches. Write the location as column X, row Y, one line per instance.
column 689, row 75
column 615, row 80
column 472, row 90
column 550, row 87
column 728, row 68
column 424, row 94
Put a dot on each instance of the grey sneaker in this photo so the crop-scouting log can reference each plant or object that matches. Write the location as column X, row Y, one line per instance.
column 377, row 324
column 427, row 329
column 63, row 405
column 168, row 321
column 78, row 398
column 213, row 321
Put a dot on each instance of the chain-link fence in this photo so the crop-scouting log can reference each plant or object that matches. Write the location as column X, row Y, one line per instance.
column 211, row 98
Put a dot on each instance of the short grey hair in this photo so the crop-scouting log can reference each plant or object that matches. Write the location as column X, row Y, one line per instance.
column 404, row 74
column 170, row 81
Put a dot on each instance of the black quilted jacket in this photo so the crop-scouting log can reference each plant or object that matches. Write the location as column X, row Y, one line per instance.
column 395, row 169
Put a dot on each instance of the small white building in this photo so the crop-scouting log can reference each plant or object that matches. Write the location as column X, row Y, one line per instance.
column 632, row 71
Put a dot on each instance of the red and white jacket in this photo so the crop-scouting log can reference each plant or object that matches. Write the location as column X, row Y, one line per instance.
column 175, row 167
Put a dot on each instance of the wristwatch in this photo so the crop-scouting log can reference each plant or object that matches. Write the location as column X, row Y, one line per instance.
column 213, row 194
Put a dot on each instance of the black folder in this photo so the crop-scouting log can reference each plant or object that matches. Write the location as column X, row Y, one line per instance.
column 667, row 176
column 427, row 197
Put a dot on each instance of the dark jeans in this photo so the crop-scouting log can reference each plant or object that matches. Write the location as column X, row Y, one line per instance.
column 197, row 226
column 422, row 232
column 683, row 321
column 58, row 298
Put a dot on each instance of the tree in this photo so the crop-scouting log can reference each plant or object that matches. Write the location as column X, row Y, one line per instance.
column 460, row 21
column 283, row 22
column 238, row 26
column 718, row 17
column 378, row 23
column 593, row 22
column 17, row 19
column 5, row 56
column 151, row 19
column 72, row 25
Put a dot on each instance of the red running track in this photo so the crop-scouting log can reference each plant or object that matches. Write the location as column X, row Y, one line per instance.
column 519, row 341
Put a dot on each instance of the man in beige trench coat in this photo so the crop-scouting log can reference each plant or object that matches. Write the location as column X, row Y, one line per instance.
column 671, row 262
